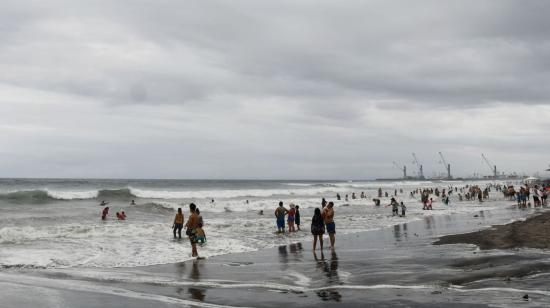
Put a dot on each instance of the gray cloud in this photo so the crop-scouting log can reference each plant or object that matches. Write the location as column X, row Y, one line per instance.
column 250, row 89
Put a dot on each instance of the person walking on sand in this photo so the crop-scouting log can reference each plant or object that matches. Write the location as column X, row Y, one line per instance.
column 297, row 217
column 280, row 213
column 328, row 217
column 192, row 225
column 178, row 223
column 317, row 228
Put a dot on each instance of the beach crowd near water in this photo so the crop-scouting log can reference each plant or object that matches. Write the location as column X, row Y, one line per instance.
column 323, row 218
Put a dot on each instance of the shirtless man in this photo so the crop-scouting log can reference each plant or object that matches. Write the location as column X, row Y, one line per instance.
column 328, row 217
column 280, row 213
column 192, row 225
column 178, row 223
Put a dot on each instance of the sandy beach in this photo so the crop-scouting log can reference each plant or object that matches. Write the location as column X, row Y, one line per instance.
column 395, row 266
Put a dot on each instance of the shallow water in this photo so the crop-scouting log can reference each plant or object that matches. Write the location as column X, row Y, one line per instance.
column 56, row 223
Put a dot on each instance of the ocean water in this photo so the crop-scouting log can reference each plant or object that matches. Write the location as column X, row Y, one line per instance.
column 56, row 223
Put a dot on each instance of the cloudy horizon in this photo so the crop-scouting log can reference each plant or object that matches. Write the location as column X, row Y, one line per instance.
column 285, row 90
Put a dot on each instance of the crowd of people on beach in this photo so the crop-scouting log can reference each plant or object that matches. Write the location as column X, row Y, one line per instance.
column 323, row 218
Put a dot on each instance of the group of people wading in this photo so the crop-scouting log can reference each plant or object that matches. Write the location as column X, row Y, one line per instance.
column 193, row 227
column 322, row 220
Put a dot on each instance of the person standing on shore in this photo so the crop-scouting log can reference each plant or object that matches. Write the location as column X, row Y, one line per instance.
column 280, row 213
column 178, row 223
column 192, row 225
column 317, row 228
column 328, row 217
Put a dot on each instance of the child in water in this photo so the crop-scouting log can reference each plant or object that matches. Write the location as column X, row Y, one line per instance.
column 403, row 208
column 200, row 236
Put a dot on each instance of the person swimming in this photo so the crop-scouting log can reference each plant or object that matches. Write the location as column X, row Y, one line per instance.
column 105, row 213
column 103, row 203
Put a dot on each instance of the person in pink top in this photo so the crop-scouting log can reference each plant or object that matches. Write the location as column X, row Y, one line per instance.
column 291, row 217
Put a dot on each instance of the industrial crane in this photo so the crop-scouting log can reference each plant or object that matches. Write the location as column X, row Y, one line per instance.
column 416, row 162
column 404, row 169
column 447, row 166
column 491, row 166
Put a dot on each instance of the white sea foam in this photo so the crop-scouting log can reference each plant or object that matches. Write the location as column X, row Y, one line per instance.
column 69, row 234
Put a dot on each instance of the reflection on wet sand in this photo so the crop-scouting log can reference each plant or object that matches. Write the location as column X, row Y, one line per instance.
column 330, row 268
column 196, row 293
column 295, row 253
column 430, row 222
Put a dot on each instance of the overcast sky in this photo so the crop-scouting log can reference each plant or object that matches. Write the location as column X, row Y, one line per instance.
column 278, row 89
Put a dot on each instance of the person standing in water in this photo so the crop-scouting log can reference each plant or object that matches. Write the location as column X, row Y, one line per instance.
column 328, row 217
column 178, row 223
column 403, row 209
column 291, row 217
column 280, row 213
column 317, row 228
column 297, row 217
column 192, row 225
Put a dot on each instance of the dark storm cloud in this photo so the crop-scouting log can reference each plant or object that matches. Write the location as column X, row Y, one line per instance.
column 278, row 80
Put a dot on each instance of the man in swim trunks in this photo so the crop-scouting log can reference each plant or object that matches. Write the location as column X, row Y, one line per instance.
column 280, row 213
column 192, row 225
column 178, row 223
column 328, row 217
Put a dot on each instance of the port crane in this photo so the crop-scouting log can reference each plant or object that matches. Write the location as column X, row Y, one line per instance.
column 491, row 166
column 404, row 169
column 420, row 171
column 447, row 166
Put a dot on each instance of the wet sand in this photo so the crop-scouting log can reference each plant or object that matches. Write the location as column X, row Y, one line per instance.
column 531, row 233
column 394, row 267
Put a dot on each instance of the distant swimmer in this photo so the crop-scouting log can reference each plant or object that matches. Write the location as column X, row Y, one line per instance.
column 403, row 209
column 338, row 197
column 379, row 192
column 212, row 201
column 261, row 212
column 133, row 202
column 280, row 213
column 103, row 203
column 105, row 213
column 376, row 201
column 178, row 223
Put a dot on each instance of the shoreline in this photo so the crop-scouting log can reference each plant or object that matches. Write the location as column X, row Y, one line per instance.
column 393, row 266
column 530, row 233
